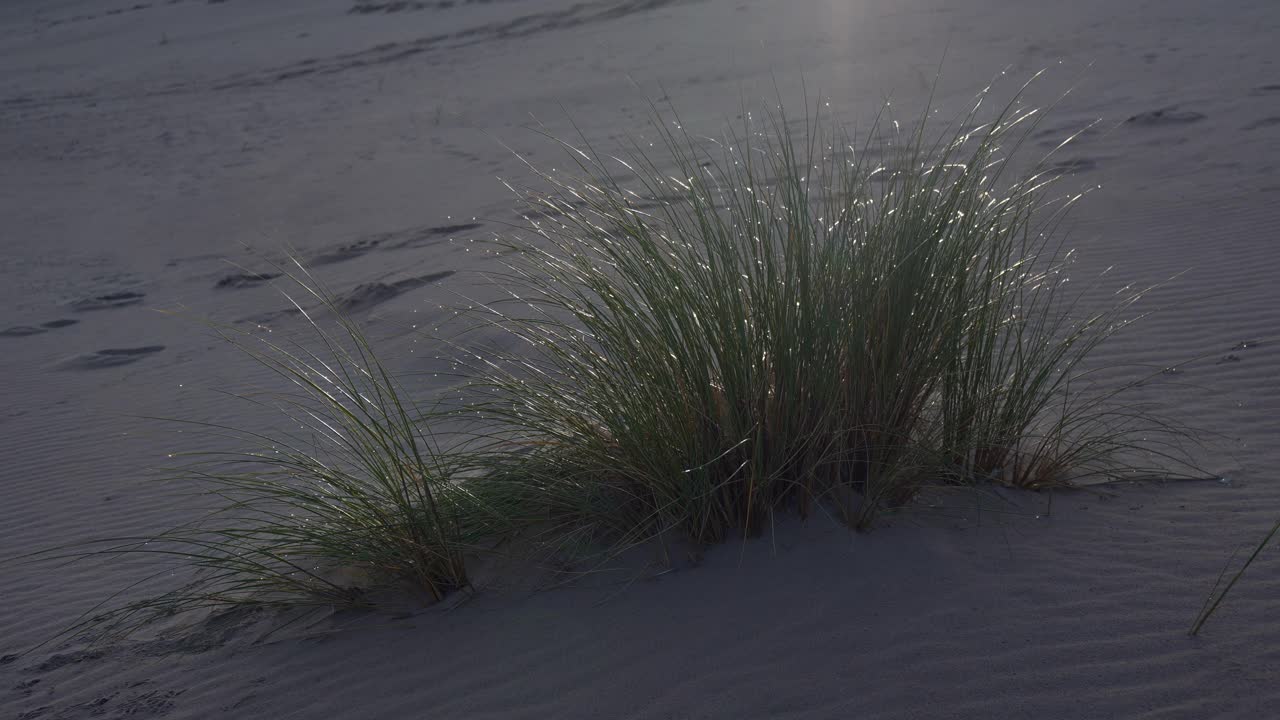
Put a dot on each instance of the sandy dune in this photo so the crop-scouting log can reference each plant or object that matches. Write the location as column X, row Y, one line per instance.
column 145, row 143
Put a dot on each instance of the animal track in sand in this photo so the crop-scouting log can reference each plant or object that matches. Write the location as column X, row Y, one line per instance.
column 1264, row 122
column 1165, row 117
column 21, row 331
column 419, row 236
column 128, row 700
column 110, row 357
column 346, row 252
column 245, row 280
column 108, row 13
column 175, row 262
column 386, row 8
column 361, row 297
column 269, row 317
column 59, row 660
column 25, row 330
column 390, row 241
column 367, row 295
column 370, row 7
column 108, row 301
column 1072, row 166
column 1054, row 136
column 575, row 16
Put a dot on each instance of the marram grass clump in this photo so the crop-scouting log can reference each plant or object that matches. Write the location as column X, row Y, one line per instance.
column 695, row 335
column 763, row 322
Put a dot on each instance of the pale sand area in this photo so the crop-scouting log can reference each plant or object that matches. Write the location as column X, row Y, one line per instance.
column 140, row 144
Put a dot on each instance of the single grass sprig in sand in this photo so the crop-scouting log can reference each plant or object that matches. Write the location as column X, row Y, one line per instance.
column 1215, row 597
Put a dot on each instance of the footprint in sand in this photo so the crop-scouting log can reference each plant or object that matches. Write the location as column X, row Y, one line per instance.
column 390, row 241
column 1264, row 122
column 418, row 236
column 1165, row 117
column 188, row 259
column 369, row 294
column 21, row 331
column 108, row 301
column 245, row 280
column 267, row 318
column 1053, row 136
column 61, row 660
column 347, row 252
column 111, row 357
column 369, row 8
column 361, row 297
column 1072, row 166
column 25, row 330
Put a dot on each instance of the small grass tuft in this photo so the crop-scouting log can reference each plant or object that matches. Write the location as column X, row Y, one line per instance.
column 357, row 497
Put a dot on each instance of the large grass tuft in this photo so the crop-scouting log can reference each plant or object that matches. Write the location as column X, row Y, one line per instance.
column 718, row 329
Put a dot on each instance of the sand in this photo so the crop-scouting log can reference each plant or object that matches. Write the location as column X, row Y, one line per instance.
column 145, row 144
